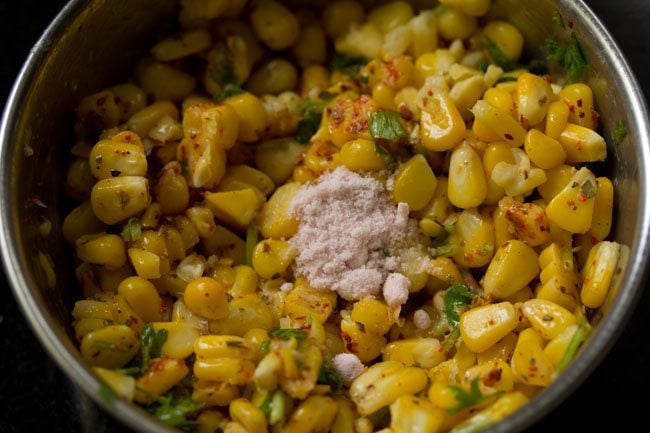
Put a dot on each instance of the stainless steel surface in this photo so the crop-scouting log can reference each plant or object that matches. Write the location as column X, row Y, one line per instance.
column 93, row 43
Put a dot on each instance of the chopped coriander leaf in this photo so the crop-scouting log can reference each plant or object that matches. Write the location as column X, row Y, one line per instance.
column 572, row 349
column 588, row 189
column 132, row 230
column 557, row 19
column 349, row 65
column 185, row 168
column 326, row 96
column 468, row 399
column 452, row 338
column 498, row 56
column 151, row 344
column 274, row 406
column 224, row 72
column 251, row 241
column 329, row 376
column 106, row 345
column 312, row 115
column 447, row 250
column 174, row 411
column 265, row 345
column 571, row 58
column 620, row 131
column 288, row 333
column 266, row 405
column 456, row 297
column 107, row 394
column 386, row 125
column 228, row 92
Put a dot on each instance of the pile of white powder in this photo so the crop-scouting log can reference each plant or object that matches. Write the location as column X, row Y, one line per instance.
column 348, row 225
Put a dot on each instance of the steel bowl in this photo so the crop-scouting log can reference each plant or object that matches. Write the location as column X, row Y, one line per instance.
column 93, row 43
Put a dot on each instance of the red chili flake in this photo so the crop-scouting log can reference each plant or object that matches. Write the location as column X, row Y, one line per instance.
column 594, row 240
column 579, row 102
column 509, row 137
column 582, row 197
column 549, row 78
column 469, row 257
column 571, row 203
column 595, row 116
column 570, row 24
column 581, row 115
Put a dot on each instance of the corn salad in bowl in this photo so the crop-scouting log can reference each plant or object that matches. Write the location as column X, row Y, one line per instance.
column 346, row 220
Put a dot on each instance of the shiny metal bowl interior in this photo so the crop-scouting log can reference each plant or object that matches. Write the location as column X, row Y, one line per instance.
column 93, row 43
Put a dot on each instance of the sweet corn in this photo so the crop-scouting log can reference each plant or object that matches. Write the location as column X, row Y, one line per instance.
column 534, row 95
column 314, row 415
column 484, row 326
column 206, row 297
column 182, row 45
column 501, row 350
column 165, row 82
column 582, row 144
column 527, row 221
column 505, row 36
column 121, row 384
column 424, row 34
column 248, row 415
column 494, row 413
column 274, row 77
column 544, row 151
column 272, row 257
column 556, row 179
column 180, row 339
column 547, row 318
column 514, row 266
column 410, row 414
column 358, row 340
column 362, row 155
column 214, row 394
column 224, row 243
column 146, row 118
column 171, row 190
column 557, row 119
column 454, row 24
column 252, row 116
column 530, row 364
column 81, row 221
column 305, row 302
column 274, row 24
column 311, row 46
column 202, row 219
column 235, row 208
column 520, row 178
column 475, row 8
column 601, row 221
column 366, row 40
column 420, row 352
column 441, row 125
column 414, row 183
column 129, row 98
column 340, row 15
column 162, row 375
column 102, row 249
column 95, row 113
column 245, row 313
column 110, row 347
column 572, row 208
column 473, row 237
column 383, row 383
column 373, row 314
column 79, row 179
column 599, row 270
column 116, row 199
column 143, row 297
column 500, row 122
column 467, row 185
column 495, row 153
column 580, row 100
column 233, row 371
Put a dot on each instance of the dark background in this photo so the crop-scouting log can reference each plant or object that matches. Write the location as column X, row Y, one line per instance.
column 36, row 397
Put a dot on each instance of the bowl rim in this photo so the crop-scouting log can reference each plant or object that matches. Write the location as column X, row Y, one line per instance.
column 44, row 325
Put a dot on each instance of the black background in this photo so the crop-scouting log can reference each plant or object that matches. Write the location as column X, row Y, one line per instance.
column 36, row 397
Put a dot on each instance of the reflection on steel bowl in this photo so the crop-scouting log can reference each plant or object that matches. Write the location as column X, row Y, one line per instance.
column 348, row 216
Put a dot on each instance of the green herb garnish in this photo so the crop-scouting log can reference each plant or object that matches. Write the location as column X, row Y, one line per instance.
column 107, row 345
column 447, row 250
column 468, row 399
column 265, row 345
column 620, row 131
column 386, row 125
column 572, row 349
column 228, row 92
column 151, row 342
column 251, row 241
column 349, row 65
column 132, row 230
column 571, row 57
column 456, row 298
column 185, row 168
column 174, row 411
column 312, row 116
column 588, row 189
column 287, row 334
column 107, row 394
column 557, row 19
column 498, row 56
column 329, row 376
column 224, row 71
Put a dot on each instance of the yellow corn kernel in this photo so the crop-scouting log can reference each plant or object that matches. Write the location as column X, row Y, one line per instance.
column 359, row 341
column 102, row 249
column 311, row 47
column 251, row 176
column 414, row 414
column 143, row 297
column 432, row 63
column 529, row 363
column 79, row 179
column 236, row 208
column 557, row 347
column 122, row 155
column 362, row 155
column 275, row 220
column 273, row 78
column 556, row 179
column 544, row 151
column 234, row 371
column 390, row 380
column 320, row 157
column 534, row 94
column 502, row 227
column 465, row 93
column 366, row 40
column 187, row 231
column 278, row 158
column 340, row 15
column 268, row 371
column 233, row 53
column 442, row 273
column 195, row 12
column 109, row 279
column 347, row 418
column 473, row 237
column 389, row 16
column 349, row 120
column 146, row 264
column 547, row 318
column 116, row 199
column 274, row 24
column 145, row 119
column 483, row 133
column 582, row 144
column 561, row 290
column 572, row 208
column 110, row 347
column 162, row 375
column 507, row 37
column 223, row 346
column 467, row 185
column 245, row 281
column 439, row 208
column 224, row 243
column 121, row 384
column 580, row 100
column 214, row 394
column 501, row 350
column 494, row 154
column 248, row 415
column 441, row 125
column 499, row 121
column 165, row 82
column 206, row 297
column 424, row 34
column 373, row 314
column 484, row 326
column 501, row 99
column 520, row 178
column 526, row 221
column 151, row 216
column 601, row 222
column 129, row 98
column 421, row 352
column 182, row 45
column 202, row 219
column 475, row 8
column 414, row 183
column 442, row 396
column 514, row 266
column 303, row 301
column 180, row 338
column 500, row 409
column 245, row 313
column 271, row 257
column 171, row 190
column 495, row 374
column 454, row 24
column 252, row 116
column 557, row 119
column 384, row 95
column 314, row 415
column 599, row 270
column 81, row 221
column 100, row 107
column 314, row 79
